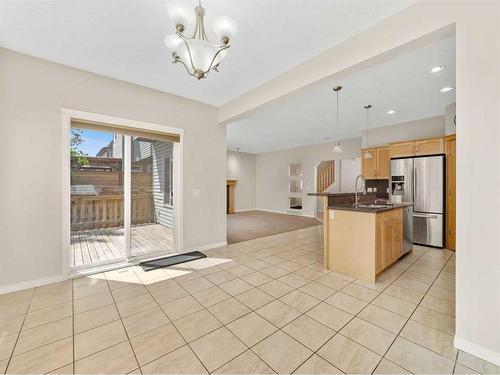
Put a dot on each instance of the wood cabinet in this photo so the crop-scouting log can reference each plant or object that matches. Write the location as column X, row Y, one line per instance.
column 399, row 150
column 389, row 238
column 421, row 147
column 378, row 167
column 429, row 146
column 450, row 148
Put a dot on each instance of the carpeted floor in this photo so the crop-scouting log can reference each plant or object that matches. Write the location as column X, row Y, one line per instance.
column 248, row 225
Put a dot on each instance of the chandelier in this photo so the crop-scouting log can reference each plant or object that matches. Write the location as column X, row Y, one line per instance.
column 198, row 54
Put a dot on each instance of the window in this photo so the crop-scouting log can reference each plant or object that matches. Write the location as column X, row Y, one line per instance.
column 168, row 172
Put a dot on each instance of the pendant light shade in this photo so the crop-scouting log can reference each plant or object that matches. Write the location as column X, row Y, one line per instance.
column 337, row 148
column 367, row 155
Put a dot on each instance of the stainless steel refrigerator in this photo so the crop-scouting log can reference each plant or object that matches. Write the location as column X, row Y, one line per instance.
column 421, row 180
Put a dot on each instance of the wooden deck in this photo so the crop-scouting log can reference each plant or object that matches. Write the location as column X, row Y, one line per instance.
column 97, row 245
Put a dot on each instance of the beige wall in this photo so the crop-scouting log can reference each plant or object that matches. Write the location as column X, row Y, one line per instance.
column 241, row 166
column 272, row 173
column 32, row 93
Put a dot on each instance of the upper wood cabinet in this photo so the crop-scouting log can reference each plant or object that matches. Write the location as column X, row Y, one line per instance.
column 402, row 149
column 378, row 167
column 417, row 148
column 429, row 146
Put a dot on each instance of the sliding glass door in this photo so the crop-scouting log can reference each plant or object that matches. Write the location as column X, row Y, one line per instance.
column 122, row 197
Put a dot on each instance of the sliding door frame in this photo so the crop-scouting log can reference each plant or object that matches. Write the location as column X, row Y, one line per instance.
column 70, row 115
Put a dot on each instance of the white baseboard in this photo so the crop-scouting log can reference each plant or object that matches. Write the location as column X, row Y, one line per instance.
column 205, row 247
column 246, row 209
column 31, row 284
column 477, row 350
column 283, row 212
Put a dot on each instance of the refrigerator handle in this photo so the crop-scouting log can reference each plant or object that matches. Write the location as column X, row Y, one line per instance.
column 414, row 183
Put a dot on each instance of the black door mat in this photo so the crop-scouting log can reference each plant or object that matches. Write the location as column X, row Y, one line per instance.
column 171, row 261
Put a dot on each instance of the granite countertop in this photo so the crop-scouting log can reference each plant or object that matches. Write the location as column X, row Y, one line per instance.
column 370, row 210
column 335, row 194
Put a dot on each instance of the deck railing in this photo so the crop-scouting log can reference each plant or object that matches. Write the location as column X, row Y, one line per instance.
column 106, row 211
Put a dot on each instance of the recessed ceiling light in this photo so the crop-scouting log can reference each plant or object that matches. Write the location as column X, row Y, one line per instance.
column 391, row 112
column 447, row 89
column 437, row 69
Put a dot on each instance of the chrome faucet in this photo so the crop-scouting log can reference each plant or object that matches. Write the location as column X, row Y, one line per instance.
column 356, row 190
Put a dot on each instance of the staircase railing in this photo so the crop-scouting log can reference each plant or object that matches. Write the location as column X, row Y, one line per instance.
column 325, row 178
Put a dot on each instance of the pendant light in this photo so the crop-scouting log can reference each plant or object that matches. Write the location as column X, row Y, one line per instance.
column 337, row 148
column 367, row 154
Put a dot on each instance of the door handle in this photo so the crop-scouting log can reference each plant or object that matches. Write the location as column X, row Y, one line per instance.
column 426, row 216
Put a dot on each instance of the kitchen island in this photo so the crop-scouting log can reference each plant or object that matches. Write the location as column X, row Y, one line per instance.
column 363, row 240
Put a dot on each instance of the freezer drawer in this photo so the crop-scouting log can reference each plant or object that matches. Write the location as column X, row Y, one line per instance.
column 428, row 229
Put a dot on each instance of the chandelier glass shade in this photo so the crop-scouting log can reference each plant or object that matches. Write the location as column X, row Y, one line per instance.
column 198, row 54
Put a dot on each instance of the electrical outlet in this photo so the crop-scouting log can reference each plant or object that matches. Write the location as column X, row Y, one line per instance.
column 375, row 189
column 196, row 192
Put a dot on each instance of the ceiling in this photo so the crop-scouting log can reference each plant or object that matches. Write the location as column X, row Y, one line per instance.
column 308, row 116
column 123, row 39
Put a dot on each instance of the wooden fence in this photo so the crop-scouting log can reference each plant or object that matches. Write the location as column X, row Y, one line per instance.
column 106, row 211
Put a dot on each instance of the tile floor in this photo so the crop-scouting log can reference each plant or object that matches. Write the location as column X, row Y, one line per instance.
column 261, row 306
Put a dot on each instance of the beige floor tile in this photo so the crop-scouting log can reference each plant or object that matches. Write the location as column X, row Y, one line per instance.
column 460, row 369
column 89, row 280
column 3, row 366
column 254, row 298
column 181, row 307
column 418, row 359
column 308, row 332
column 196, row 325
column 387, row 367
column 404, row 294
column 228, row 310
column 197, row 285
column 290, row 266
column 6, row 345
column 318, row 291
column 395, row 305
column 92, row 302
column 330, row 316
column 180, row 361
column 477, row 364
column 278, row 313
column 156, row 343
column 370, row 336
column 11, row 325
column 431, row 338
column 412, row 284
column 135, row 305
column 42, row 335
column 246, row 363
column 274, row 272
column 220, row 277
column 11, row 310
column 21, row 296
column 256, row 278
column 43, row 359
column 434, row 319
column 251, row 328
column 309, row 273
column 240, row 270
column 118, row 359
column 300, row 301
column 276, row 288
column 347, row 303
column 145, row 321
column 439, row 305
column 94, row 340
column 50, row 300
column 236, row 286
column 47, row 315
column 217, row 348
column 211, row 296
column 360, row 292
column 383, row 318
column 444, row 294
column 349, row 356
column 130, row 291
column 90, row 290
column 281, row 352
column 168, row 294
column 317, row 365
column 332, row 282
column 95, row 318
column 293, row 280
